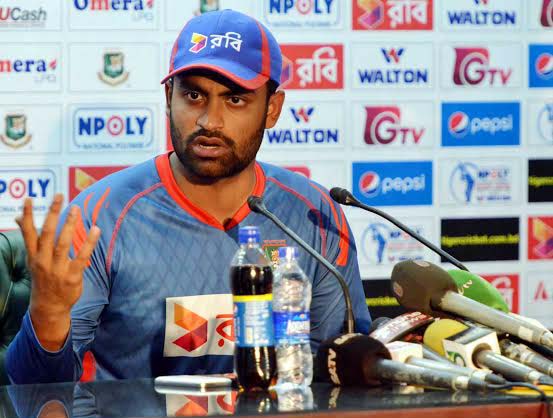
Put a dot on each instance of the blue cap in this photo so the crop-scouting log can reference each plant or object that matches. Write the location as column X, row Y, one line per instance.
column 288, row 252
column 248, row 234
column 231, row 44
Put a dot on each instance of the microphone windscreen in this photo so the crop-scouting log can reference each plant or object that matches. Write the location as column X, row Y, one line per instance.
column 477, row 288
column 349, row 360
column 419, row 285
column 339, row 195
column 439, row 331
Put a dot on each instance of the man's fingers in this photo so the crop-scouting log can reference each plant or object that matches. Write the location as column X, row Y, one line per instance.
column 48, row 233
column 27, row 226
column 81, row 260
column 65, row 238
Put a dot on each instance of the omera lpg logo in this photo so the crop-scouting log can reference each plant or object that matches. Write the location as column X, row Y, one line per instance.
column 393, row 183
column 199, row 325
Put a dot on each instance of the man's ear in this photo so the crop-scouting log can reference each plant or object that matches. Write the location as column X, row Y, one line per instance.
column 274, row 108
column 168, row 95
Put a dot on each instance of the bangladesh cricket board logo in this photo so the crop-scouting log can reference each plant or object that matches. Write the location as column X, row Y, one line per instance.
column 113, row 72
column 15, row 133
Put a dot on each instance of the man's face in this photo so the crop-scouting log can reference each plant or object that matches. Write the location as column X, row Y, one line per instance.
column 217, row 129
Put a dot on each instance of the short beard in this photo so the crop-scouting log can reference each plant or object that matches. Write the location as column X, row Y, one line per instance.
column 227, row 166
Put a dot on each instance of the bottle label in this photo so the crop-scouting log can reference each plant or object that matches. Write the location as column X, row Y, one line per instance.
column 291, row 327
column 253, row 320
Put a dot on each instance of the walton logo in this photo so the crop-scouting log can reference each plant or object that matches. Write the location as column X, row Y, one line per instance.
column 117, row 5
column 302, row 114
column 472, row 67
column 392, row 55
column 199, row 325
column 546, row 18
column 383, row 126
column 199, row 42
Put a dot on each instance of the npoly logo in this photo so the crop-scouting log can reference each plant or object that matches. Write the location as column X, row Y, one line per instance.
column 16, row 185
column 109, row 128
column 383, row 126
column 472, row 67
column 393, row 183
column 303, row 13
column 199, row 325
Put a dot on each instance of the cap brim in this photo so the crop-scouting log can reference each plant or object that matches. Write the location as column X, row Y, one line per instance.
column 256, row 81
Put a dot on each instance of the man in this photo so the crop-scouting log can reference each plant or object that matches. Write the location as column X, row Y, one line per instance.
column 146, row 288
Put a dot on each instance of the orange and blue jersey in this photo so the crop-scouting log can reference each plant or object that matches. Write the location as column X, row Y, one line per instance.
column 156, row 295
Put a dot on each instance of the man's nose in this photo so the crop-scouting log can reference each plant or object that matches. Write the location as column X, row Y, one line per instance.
column 212, row 117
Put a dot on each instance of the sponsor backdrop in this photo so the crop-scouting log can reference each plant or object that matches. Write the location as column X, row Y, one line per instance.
column 439, row 112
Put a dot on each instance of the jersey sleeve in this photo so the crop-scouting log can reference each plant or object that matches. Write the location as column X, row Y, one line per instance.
column 26, row 360
column 328, row 306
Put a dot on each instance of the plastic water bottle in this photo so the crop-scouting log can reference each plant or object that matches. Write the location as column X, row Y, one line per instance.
column 291, row 302
column 251, row 281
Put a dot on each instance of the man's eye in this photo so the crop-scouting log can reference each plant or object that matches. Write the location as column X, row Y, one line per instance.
column 236, row 100
column 193, row 95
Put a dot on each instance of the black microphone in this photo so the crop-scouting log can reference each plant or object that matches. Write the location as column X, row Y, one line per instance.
column 355, row 359
column 344, row 197
column 256, row 205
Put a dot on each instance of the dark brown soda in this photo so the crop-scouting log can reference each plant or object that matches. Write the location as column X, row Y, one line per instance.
column 255, row 366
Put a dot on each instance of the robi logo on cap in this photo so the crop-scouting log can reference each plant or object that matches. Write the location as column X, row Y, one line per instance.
column 199, row 42
column 369, row 183
column 458, row 124
column 544, row 65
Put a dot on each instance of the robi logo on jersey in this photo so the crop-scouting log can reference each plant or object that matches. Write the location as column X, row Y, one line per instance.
column 472, row 67
column 383, row 126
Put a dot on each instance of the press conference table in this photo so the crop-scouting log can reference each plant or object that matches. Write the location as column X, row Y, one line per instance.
column 139, row 398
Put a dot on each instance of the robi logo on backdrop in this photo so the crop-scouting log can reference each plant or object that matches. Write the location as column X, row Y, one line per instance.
column 199, row 325
column 383, row 126
column 544, row 65
column 472, row 67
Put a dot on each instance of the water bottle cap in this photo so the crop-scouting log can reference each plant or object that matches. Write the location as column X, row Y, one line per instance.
column 249, row 234
column 288, row 252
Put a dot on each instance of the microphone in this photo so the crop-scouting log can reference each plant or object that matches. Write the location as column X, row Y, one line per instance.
column 527, row 356
column 256, row 205
column 476, row 347
column 344, row 197
column 354, row 359
column 425, row 287
column 395, row 329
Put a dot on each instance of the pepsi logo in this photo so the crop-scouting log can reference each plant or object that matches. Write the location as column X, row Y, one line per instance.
column 369, row 183
column 458, row 124
column 544, row 65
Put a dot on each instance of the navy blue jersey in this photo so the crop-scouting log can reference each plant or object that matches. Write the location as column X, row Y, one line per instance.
column 156, row 297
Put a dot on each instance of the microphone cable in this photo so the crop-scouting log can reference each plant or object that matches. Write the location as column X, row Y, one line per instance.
column 512, row 385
